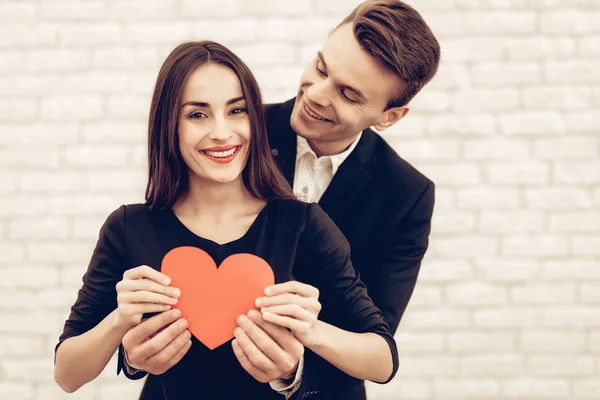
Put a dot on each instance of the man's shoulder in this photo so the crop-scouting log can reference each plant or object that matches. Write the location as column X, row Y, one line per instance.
column 279, row 112
column 388, row 165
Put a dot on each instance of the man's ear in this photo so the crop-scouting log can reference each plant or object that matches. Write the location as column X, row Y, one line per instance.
column 390, row 117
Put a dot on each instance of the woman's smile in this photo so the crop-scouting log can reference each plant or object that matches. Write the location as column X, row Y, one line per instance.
column 222, row 154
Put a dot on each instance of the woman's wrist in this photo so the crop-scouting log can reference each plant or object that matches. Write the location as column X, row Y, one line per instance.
column 317, row 338
column 118, row 326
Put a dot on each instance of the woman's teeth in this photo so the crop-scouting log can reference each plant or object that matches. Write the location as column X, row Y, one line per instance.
column 221, row 154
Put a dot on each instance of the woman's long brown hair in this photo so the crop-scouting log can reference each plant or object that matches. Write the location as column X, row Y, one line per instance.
column 168, row 173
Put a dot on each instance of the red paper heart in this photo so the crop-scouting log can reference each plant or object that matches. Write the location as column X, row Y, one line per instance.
column 212, row 299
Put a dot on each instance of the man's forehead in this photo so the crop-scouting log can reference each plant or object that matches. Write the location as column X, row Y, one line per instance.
column 351, row 65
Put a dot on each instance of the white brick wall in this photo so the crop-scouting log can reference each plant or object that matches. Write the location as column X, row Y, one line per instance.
column 507, row 303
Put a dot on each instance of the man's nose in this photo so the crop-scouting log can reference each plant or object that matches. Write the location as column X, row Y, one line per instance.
column 319, row 93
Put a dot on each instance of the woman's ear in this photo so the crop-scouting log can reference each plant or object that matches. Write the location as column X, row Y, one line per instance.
column 390, row 117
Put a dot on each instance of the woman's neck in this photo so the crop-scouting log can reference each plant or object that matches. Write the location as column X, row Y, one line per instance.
column 208, row 199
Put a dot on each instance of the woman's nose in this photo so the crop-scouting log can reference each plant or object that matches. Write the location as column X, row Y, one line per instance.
column 220, row 132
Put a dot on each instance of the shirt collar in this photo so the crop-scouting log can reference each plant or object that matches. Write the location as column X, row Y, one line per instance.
column 303, row 148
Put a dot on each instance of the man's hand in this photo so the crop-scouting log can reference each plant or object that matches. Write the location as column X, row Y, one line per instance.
column 266, row 351
column 158, row 343
column 293, row 305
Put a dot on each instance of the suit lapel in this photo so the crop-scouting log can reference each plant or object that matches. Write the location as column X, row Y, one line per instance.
column 350, row 178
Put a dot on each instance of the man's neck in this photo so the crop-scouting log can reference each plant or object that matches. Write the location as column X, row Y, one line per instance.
column 327, row 148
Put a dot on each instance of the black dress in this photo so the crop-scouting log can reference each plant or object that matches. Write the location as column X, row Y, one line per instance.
column 298, row 240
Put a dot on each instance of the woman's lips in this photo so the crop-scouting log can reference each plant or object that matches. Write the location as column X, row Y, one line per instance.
column 222, row 156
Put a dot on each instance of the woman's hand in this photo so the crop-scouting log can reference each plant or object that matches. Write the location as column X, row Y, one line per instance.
column 293, row 305
column 143, row 290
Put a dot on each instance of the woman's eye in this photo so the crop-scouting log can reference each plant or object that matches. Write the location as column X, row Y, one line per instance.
column 239, row 110
column 196, row 115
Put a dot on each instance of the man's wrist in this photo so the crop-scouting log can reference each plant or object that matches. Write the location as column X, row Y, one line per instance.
column 129, row 365
column 289, row 387
column 292, row 374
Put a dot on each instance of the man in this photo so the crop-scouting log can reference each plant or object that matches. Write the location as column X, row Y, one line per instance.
column 374, row 62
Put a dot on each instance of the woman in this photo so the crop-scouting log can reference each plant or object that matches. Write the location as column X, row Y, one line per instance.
column 214, row 185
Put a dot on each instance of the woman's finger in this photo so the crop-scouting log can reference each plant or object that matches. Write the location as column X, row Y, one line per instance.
column 144, row 296
column 147, row 285
column 290, row 310
column 308, row 303
column 293, row 324
column 293, row 287
column 144, row 271
column 143, row 308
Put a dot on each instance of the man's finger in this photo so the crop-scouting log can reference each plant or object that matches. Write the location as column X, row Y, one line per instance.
column 254, row 354
column 264, row 343
column 161, row 369
column 139, row 333
column 256, row 373
column 292, row 287
column 282, row 336
column 144, row 271
column 170, row 350
column 161, row 339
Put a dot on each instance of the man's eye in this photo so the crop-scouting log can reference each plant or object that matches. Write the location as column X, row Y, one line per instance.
column 319, row 68
column 349, row 95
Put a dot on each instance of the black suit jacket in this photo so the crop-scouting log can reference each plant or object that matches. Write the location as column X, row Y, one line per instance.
column 383, row 206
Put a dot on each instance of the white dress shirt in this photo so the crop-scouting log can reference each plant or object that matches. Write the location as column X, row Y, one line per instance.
column 314, row 174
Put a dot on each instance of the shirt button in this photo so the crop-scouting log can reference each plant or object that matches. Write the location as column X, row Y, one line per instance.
column 274, row 152
column 305, row 189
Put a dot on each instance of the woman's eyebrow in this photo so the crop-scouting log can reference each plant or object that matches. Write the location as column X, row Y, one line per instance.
column 203, row 104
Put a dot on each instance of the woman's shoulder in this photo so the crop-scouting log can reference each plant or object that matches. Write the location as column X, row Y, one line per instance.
column 289, row 204
column 130, row 213
column 308, row 215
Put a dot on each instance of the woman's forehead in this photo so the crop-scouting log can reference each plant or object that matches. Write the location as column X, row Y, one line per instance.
column 212, row 83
